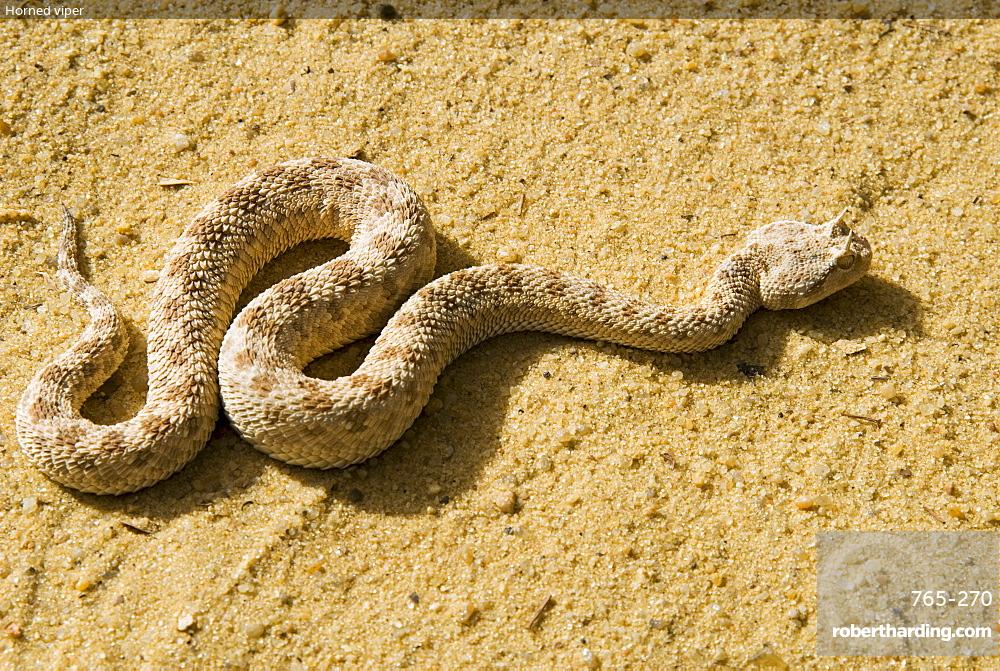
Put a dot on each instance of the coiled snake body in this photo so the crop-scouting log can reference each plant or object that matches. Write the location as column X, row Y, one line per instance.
column 257, row 364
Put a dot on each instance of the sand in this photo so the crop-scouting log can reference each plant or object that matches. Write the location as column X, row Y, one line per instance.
column 561, row 503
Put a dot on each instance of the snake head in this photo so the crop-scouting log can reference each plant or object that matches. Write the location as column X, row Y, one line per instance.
column 802, row 263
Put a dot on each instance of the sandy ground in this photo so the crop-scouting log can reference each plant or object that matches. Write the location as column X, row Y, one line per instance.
column 667, row 505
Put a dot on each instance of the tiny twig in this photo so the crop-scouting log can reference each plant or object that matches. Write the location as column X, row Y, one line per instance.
column 173, row 181
column 862, row 418
column 136, row 529
column 933, row 514
column 540, row 613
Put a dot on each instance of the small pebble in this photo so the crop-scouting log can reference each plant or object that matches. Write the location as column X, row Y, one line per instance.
column 386, row 56
column 150, row 276
column 467, row 613
column 767, row 659
column 957, row 512
column 701, row 479
column 13, row 630
column 433, row 488
column 505, row 502
column 565, row 438
column 806, row 503
column 888, row 391
column 181, row 142
column 5, row 129
column 29, row 504
column 185, row 622
column 254, row 629
column 797, row 613
column 84, row 584
column 820, row 470
column 508, row 255
column 823, row 127
column 638, row 49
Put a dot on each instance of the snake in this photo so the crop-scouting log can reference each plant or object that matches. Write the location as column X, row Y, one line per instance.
column 200, row 357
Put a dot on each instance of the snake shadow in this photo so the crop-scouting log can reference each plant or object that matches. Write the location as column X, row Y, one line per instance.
column 227, row 465
column 451, row 447
column 396, row 481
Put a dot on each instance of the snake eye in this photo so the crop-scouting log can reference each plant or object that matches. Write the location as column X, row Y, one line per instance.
column 845, row 261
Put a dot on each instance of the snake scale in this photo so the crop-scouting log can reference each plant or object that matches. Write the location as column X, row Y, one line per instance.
column 197, row 352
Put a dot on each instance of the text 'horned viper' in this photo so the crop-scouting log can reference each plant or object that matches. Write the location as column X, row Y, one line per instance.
column 258, row 362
